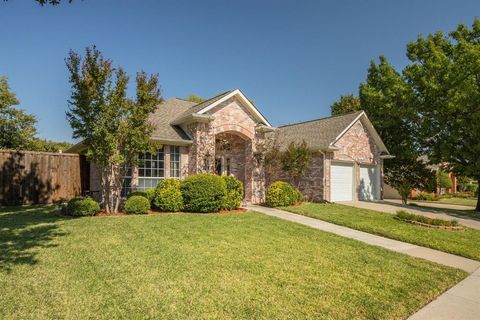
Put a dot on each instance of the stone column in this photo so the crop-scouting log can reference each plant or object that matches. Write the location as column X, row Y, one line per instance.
column 257, row 167
column 201, row 155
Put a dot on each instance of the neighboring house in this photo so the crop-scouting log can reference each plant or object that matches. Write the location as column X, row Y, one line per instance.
column 392, row 193
column 226, row 134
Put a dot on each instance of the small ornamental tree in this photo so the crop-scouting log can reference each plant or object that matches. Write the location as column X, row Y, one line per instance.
column 114, row 128
column 295, row 161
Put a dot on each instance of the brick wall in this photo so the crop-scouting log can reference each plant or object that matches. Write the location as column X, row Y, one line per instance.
column 358, row 146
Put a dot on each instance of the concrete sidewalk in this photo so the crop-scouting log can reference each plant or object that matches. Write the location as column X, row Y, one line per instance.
column 460, row 302
column 392, row 206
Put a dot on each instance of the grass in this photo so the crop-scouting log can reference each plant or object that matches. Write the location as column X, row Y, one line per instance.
column 201, row 266
column 472, row 202
column 455, row 212
column 463, row 243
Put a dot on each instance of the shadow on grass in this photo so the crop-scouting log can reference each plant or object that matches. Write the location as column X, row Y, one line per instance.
column 463, row 214
column 23, row 230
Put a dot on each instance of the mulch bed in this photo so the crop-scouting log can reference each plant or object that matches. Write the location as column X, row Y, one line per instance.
column 153, row 211
column 453, row 228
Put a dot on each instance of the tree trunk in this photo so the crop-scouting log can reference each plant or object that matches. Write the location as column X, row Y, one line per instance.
column 478, row 201
column 112, row 176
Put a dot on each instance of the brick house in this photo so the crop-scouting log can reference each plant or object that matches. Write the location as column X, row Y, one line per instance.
column 227, row 133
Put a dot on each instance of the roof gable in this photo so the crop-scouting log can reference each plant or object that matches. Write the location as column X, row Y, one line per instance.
column 371, row 130
column 203, row 107
column 323, row 133
column 318, row 133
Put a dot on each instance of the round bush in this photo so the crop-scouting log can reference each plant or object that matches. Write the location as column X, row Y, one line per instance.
column 168, row 196
column 82, row 206
column 137, row 205
column 203, row 192
column 281, row 194
column 147, row 193
column 150, row 194
column 234, row 197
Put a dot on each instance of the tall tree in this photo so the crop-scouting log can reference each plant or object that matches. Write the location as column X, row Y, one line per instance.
column 390, row 102
column 444, row 74
column 114, row 128
column 346, row 104
column 17, row 128
column 49, row 146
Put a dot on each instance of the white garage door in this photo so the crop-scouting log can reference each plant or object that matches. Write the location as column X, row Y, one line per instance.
column 341, row 182
column 369, row 183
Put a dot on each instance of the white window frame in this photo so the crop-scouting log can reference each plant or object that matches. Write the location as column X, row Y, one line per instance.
column 147, row 182
column 175, row 151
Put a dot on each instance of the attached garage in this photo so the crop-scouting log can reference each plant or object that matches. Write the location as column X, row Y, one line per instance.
column 342, row 181
column 369, row 182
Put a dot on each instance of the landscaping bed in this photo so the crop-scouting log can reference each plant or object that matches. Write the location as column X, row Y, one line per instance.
column 216, row 266
column 429, row 222
column 463, row 243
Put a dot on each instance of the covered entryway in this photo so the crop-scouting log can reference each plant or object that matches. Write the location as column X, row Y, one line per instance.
column 341, row 180
column 369, row 182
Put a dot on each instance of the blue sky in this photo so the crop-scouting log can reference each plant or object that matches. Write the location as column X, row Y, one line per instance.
column 293, row 58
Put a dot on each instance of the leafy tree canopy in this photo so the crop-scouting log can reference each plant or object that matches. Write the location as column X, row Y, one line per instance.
column 195, row 98
column 17, row 128
column 114, row 128
column 49, row 146
column 444, row 75
column 389, row 103
column 346, row 104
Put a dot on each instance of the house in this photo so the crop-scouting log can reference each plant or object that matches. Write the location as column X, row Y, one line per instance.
column 348, row 160
column 227, row 133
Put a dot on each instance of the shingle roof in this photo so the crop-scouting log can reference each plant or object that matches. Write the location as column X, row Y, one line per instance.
column 166, row 112
column 316, row 133
column 197, row 107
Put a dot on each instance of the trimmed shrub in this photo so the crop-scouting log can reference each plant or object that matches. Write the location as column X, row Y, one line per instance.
column 147, row 193
column 473, row 188
column 234, row 197
column 282, row 194
column 137, row 205
column 168, row 196
column 203, row 192
column 137, row 193
column 426, row 196
column 82, row 206
column 150, row 193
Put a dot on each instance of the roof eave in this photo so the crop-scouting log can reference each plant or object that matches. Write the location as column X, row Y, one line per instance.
column 193, row 117
column 175, row 142
column 329, row 149
column 77, row 148
column 387, row 156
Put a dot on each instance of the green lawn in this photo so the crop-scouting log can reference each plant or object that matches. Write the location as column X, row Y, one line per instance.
column 201, row 266
column 454, row 212
column 472, row 202
column 463, row 243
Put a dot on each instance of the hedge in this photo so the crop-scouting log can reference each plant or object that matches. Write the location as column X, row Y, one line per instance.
column 203, row 192
column 168, row 196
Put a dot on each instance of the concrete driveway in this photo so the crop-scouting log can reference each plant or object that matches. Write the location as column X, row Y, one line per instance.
column 392, row 206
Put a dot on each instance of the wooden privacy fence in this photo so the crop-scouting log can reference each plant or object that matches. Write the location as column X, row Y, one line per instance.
column 41, row 177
